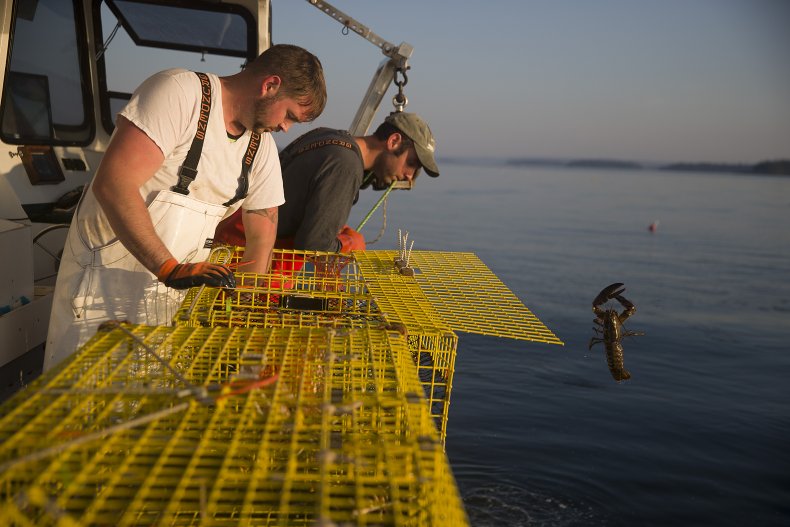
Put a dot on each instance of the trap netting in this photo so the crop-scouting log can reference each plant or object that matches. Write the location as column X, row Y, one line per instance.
column 316, row 394
column 227, row 426
column 443, row 293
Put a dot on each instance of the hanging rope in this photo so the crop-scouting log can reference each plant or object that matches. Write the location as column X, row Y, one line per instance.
column 381, row 202
column 383, row 223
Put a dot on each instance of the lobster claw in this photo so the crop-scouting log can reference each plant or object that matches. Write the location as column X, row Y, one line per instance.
column 607, row 293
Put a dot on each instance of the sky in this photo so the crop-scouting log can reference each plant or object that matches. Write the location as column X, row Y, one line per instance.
column 652, row 81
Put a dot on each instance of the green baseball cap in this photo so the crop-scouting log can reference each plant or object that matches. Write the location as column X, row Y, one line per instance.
column 418, row 131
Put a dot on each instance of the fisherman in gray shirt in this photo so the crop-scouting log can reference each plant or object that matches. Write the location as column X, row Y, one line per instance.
column 323, row 171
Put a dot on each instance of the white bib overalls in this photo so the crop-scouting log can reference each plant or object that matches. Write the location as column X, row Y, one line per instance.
column 100, row 282
column 96, row 284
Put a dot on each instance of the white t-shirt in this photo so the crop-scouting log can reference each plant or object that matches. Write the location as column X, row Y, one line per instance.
column 166, row 106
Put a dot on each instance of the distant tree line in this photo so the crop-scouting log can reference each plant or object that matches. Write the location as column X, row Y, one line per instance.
column 773, row 167
column 776, row 167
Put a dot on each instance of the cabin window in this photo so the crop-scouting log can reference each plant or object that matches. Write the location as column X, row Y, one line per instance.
column 45, row 98
column 199, row 36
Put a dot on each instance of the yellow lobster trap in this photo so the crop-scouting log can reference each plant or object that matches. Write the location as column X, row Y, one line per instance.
column 440, row 293
column 227, row 426
column 317, row 394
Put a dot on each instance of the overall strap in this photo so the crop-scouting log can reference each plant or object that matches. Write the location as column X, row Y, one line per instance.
column 291, row 151
column 249, row 157
column 246, row 165
column 187, row 172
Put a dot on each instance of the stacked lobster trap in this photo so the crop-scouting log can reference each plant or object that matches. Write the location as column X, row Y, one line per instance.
column 317, row 394
column 227, row 426
column 327, row 290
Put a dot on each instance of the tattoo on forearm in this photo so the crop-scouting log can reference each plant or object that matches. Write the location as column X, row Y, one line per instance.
column 269, row 214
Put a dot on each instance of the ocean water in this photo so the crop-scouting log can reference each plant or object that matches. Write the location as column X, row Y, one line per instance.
column 541, row 434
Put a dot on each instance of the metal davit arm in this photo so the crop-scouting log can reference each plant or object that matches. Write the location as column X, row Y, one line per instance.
column 397, row 61
column 384, row 76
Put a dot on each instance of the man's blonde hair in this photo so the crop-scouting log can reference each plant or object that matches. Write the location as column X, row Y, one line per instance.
column 301, row 73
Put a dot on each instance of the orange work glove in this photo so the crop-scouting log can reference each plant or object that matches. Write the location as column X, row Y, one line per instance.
column 186, row 275
column 350, row 240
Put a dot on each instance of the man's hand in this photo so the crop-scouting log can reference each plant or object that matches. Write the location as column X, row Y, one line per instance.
column 350, row 240
column 186, row 275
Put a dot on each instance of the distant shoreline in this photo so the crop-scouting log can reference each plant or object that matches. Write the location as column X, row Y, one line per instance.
column 779, row 167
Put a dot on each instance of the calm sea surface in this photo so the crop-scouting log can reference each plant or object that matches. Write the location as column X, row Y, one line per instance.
column 542, row 435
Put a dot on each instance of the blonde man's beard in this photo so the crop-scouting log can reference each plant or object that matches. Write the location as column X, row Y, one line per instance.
column 261, row 122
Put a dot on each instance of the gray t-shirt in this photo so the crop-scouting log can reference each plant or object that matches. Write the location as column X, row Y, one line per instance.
column 322, row 172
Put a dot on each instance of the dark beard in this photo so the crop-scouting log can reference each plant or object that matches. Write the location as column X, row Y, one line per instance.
column 369, row 179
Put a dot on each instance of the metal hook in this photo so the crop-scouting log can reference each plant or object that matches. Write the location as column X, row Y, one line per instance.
column 400, row 101
column 345, row 29
column 401, row 83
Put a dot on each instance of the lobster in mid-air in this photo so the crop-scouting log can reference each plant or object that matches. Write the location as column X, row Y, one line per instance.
column 611, row 328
